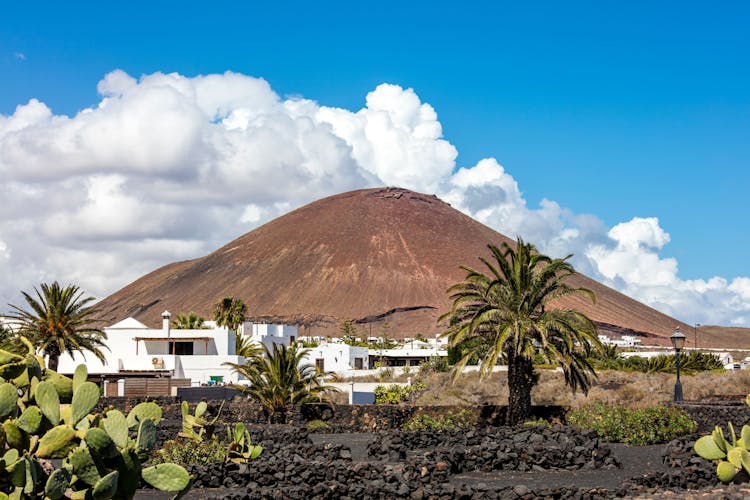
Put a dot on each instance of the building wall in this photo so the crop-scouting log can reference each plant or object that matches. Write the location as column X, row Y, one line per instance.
column 337, row 357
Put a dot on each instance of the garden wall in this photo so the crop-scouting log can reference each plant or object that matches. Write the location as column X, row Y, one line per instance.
column 709, row 414
column 347, row 418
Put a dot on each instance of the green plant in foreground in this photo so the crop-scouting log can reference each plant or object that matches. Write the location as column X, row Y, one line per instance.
column 241, row 448
column 195, row 427
column 637, row 426
column 99, row 458
column 731, row 457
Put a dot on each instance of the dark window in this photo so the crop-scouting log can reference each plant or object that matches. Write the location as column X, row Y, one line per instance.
column 358, row 363
column 320, row 364
column 183, row 348
column 291, row 339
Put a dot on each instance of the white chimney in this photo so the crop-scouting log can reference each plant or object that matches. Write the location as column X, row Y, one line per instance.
column 165, row 326
column 165, row 321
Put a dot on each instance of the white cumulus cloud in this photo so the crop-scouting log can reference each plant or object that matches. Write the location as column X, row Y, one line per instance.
column 167, row 167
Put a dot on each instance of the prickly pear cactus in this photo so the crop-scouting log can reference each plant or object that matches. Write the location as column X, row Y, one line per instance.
column 195, row 427
column 45, row 415
column 241, row 448
column 731, row 456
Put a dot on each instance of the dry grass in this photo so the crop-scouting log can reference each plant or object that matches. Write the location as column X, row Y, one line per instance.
column 624, row 388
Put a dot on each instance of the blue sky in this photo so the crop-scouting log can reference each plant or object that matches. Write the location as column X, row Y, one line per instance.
column 618, row 111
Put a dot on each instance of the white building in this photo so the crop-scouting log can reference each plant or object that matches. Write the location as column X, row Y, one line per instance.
column 623, row 341
column 338, row 357
column 135, row 349
column 269, row 335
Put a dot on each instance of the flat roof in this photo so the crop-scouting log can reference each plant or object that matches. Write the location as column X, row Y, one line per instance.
column 172, row 339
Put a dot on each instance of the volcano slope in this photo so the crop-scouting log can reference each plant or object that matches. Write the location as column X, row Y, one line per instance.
column 373, row 256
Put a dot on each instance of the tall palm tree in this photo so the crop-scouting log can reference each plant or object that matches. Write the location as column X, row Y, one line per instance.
column 509, row 310
column 230, row 312
column 280, row 378
column 58, row 321
column 189, row 321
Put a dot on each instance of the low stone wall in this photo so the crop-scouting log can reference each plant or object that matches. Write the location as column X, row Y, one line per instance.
column 499, row 448
column 712, row 413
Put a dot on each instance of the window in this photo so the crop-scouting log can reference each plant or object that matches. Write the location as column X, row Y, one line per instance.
column 183, row 348
column 320, row 364
column 291, row 339
column 358, row 363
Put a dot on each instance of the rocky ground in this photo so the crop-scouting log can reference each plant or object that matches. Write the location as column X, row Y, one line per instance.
column 505, row 463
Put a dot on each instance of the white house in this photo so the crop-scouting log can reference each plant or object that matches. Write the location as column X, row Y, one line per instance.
column 338, row 357
column 269, row 335
column 135, row 349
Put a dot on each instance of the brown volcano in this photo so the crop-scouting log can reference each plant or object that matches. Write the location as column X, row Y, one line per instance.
column 372, row 255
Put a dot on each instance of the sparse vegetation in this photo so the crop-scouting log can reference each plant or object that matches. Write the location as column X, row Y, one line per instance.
column 690, row 363
column 394, row 394
column 637, row 426
column 189, row 452
column 461, row 419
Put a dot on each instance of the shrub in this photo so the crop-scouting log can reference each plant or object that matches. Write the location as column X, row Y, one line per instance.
column 462, row 419
column 189, row 452
column 665, row 363
column 638, row 426
column 436, row 364
column 394, row 394
column 317, row 424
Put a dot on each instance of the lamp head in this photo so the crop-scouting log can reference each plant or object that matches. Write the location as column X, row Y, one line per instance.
column 678, row 339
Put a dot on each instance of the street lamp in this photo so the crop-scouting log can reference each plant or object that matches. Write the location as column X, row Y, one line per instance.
column 695, row 335
column 678, row 341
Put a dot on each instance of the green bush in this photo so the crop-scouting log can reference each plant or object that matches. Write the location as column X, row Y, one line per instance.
column 317, row 424
column 665, row 363
column 189, row 452
column 638, row 426
column 434, row 364
column 462, row 419
column 394, row 394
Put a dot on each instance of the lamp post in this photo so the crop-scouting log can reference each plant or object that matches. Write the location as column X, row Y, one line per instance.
column 678, row 341
column 695, row 335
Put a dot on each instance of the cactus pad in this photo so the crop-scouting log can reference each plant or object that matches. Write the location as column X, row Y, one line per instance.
column 85, row 398
column 143, row 411
column 83, row 466
column 80, row 376
column 725, row 471
column 48, row 401
column 167, row 477
column 106, row 487
column 116, row 426
column 55, row 441
column 8, row 399
column 30, row 420
column 707, row 448
column 57, row 483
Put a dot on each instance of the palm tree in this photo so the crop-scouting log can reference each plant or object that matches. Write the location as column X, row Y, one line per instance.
column 245, row 347
column 59, row 320
column 230, row 312
column 9, row 341
column 279, row 378
column 508, row 309
column 189, row 321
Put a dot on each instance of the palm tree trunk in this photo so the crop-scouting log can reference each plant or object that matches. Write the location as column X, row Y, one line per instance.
column 53, row 356
column 520, row 382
